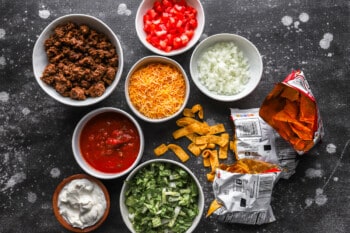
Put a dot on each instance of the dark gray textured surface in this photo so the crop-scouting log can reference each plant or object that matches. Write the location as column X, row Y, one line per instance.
column 35, row 131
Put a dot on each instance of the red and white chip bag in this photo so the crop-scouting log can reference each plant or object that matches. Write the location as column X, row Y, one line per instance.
column 291, row 109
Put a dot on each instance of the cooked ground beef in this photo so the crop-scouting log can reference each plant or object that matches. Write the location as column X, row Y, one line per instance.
column 82, row 62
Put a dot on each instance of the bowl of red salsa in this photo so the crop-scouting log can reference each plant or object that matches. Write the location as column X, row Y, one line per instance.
column 107, row 143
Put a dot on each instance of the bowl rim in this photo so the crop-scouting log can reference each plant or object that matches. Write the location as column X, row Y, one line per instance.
column 211, row 40
column 39, row 44
column 59, row 217
column 152, row 59
column 123, row 208
column 198, row 32
column 79, row 157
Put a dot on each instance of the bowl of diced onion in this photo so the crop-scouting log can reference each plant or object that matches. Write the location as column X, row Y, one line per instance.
column 226, row 67
column 161, row 195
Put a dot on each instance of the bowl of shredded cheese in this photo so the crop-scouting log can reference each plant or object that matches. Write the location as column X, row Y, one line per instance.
column 226, row 67
column 157, row 88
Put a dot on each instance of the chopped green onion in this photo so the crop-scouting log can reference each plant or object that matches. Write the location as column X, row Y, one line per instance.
column 157, row 205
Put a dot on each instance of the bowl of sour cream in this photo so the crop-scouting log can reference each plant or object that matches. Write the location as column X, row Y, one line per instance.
column 81, row 203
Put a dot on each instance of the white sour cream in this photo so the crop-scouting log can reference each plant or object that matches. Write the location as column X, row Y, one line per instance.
column 81, row 203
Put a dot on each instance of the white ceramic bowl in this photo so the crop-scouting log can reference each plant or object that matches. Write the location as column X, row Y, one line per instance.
column 40, row 60
column 250, row 52
column 156, row 59
column 124, row 210
column 76, row 144
column 148, row 4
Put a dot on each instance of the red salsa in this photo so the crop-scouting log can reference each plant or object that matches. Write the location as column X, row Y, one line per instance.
column 110, row 142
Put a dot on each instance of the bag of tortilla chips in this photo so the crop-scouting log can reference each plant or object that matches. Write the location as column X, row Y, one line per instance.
column 255, row 139
column 243, row 192
column 291, row 109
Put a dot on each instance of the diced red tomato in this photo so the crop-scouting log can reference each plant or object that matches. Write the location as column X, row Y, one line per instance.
column 170, row 24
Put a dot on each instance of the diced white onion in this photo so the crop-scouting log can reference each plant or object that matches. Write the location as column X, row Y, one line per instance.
column 223, row 69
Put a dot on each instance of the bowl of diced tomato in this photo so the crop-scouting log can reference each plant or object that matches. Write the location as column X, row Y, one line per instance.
column 169, row 27
column 107, row 143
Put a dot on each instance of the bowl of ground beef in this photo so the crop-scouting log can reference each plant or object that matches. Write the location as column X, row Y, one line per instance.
column 78, row 60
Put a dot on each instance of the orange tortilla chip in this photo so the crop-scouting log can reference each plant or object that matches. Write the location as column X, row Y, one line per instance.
column 283, row 128
column 290, row 93
column 277, row 90
column 301, row 145
column 270, row 107
column 284, row 117
column 301, row 130
column 292, row 108
column 307, row 110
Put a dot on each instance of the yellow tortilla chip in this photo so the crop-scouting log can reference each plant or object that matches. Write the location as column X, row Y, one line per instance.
column 211, row 146
column 233, row 146
column 199, row 128
column 180, row 153
column 195, row 149
column 215, row 129
column 206, row 161
column 184, row 121
column 160, row 150
column 223, row 150
column 213, row 158
column 199, row 110
column 213, row 207
column 191, row 137
column 218, row 140
column 210, row 176
column 187, row 112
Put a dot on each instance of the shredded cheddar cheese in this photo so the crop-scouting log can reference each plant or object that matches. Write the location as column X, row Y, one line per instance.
column 157, row 90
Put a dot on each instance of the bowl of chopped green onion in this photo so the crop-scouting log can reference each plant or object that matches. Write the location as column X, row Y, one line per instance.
column 161, row 195
column 226, row 67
